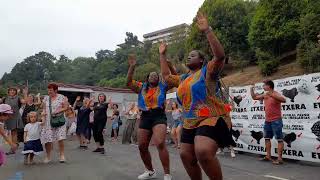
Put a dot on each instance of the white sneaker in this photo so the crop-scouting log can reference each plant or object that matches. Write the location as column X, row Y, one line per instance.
column 220, row 151
column 167, row 177
column 148, row 175
column 233, row 155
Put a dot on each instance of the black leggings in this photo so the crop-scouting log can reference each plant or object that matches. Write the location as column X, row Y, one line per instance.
column 89, row 131
column 98, row 126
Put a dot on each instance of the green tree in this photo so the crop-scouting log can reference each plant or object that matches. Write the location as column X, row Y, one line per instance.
column 308, row 52
column 131, row 40
column 118, row 82
column 83, row 71
column 32, row 69
column 105, row 55
column 310, row 20
column 142, row 71
column 63, row 69
column 275, row 26
column 308, row 55
column 106, row 69
column 230, row 20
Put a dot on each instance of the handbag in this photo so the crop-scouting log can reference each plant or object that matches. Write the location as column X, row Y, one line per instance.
column 56, row 120
column 120, row 121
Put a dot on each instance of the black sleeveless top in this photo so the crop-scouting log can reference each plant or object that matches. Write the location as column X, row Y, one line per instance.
column 100, row 111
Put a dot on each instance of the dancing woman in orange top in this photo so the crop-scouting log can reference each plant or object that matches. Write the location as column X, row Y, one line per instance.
column 206, row 121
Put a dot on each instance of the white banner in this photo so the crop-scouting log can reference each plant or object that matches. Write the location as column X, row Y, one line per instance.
column 300, row 114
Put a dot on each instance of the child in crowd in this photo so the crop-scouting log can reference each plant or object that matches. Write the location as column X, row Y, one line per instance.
column 71, row 120
column 115, row 123
column 32, row 141
column 5, row 112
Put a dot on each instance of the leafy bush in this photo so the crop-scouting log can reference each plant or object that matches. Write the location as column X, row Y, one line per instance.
column 230, row 20
column 308, row 55
column 267, row 63
column 275, row 26
column 268, row 67
column 118, row 82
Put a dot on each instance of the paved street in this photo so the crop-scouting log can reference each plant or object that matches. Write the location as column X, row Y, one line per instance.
column 122, row 162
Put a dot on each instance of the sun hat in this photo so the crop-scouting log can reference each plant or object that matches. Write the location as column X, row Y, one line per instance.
column 5, row 109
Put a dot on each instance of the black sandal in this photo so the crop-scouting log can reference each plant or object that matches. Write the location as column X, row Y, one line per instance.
column 265, row 159
column 10, row 153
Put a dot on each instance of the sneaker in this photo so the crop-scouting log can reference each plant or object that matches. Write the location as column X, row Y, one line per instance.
column 102, row 151
column 167, row 177
column 97, row 150
column 46, row 160
column 232, row 153
column 62, row 159
column 148, row 175
column 84, row 147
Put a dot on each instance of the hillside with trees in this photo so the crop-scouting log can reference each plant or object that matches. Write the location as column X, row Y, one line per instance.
column 264, row 35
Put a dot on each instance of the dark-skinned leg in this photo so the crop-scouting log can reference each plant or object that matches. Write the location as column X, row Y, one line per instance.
column 205, row 150
column 190, row 161
column 159, row 137
column 144, row 137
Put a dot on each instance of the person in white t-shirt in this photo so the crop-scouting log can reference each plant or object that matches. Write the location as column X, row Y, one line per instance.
column 32, row 141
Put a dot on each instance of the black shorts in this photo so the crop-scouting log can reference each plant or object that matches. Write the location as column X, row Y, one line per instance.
column 220, row 133
column 151, row 118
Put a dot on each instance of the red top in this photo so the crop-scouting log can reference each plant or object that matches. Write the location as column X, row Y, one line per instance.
column 272, row 109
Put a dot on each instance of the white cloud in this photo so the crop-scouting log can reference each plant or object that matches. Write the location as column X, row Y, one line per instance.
column 81, row 27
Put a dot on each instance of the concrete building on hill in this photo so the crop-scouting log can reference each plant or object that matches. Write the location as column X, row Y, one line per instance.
column 167, row 33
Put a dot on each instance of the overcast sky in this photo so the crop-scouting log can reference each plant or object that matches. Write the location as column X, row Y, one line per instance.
column 81, row 27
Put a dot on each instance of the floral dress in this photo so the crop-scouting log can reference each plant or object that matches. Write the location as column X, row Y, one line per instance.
column 48, row 133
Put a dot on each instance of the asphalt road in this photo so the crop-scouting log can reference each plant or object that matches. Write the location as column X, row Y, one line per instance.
column 122, row 162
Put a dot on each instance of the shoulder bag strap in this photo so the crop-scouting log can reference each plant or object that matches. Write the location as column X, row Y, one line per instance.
column 50, row 108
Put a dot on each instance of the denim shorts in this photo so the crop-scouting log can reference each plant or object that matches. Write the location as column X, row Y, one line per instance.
column 115, row 125
column 273, row 129
column 177, row 123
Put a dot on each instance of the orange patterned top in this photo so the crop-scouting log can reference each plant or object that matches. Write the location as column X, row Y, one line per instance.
column 198, row 96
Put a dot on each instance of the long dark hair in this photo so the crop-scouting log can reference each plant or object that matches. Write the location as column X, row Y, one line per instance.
column 175, row 104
